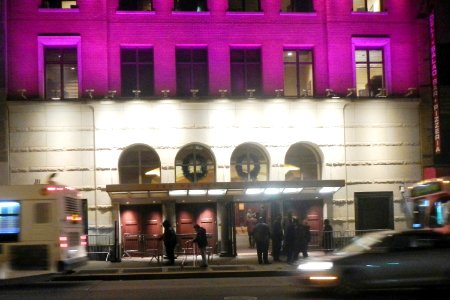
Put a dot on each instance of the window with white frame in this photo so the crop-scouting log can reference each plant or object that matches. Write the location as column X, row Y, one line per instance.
column 61, row 73
column 371, row 66
column 298, row 73
column 369, row 72
column 368, row 5
column 59, row 67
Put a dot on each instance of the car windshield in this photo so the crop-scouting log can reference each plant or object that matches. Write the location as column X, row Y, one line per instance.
column 363, row 243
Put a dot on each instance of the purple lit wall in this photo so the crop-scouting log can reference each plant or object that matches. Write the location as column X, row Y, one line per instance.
column 328, row 31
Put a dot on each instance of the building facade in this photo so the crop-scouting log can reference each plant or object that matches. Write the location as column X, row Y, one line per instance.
column 124, row 99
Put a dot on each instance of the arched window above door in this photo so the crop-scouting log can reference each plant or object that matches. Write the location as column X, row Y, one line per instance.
column 139, row 164
column 195, row 163
column 249, row 163
column 302, row 162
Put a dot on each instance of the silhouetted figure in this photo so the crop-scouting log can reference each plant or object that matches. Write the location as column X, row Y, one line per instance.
column 202, row 241
column 170, row 241
column 277, row 238
column 327, row 238
column 261, row 233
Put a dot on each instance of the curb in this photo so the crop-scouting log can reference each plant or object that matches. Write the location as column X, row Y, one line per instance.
column 104, row 275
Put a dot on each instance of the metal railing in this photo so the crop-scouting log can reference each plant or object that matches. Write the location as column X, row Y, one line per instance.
column 331, row 240
column 99, row 245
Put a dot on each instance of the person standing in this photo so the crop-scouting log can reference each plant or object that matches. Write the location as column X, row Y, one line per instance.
column 304, row 238
column 290, row 238
column 261, row 234
column 170, row 241
column 251, row 223
column 327, row 238
column 202, row 241
column 277, row 238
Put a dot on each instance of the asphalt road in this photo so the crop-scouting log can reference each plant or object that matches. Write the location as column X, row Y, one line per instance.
column 263, row 288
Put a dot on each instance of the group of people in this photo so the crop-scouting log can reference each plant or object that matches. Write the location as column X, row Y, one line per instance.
column 289, row 236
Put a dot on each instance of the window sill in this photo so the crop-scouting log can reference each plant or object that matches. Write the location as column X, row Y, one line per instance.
column 245, row 13
column 135, row 12
column 59, row 10
column 298, row 14
column 190, row 13
column 369, row 13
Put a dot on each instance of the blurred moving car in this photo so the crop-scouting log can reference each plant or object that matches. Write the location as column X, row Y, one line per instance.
column 383, row 259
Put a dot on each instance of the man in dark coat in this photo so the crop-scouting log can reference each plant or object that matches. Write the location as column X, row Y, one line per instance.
column 261, row 234
column 202, row 242
column 170, row 241
column 277, row 238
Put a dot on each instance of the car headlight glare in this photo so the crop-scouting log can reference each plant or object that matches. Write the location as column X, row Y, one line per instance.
column 315, row 266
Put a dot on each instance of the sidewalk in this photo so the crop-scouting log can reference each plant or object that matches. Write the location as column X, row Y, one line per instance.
column 144, row 268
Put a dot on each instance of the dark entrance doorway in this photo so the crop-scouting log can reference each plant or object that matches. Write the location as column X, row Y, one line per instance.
column 141, row 228
column 374, row 210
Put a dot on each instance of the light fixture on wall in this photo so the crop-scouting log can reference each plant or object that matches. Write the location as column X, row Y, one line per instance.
column 22, row 93
column 223, row 93
column 250, row 93
column 165, row 93
column 351, row 92
column 279, row 93
column 304, row 93
column 137, row 93
column 90, row 93
column 194, row 93
column 382, row 93
column 412, row 92
column 111, row 94
column 331, row 94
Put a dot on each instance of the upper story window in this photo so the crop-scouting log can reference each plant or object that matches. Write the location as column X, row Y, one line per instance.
column 368, row 5
column 139, row 164
column 369, row 72
column 297, row 5
column 190, row 5
column 61, row 73
column 192, row 71
column 195, row 163
column 137, row 72
column 136, row 5
column 298, row 73
column 302, row 162
column 249, row 163
column 246, row 74
column 244, row 5
column 59, row 4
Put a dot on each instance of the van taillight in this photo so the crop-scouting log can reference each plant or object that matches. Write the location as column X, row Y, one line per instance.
column 83, row 240
column 63, row 242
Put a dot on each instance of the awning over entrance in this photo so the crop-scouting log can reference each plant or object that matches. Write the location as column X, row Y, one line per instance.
column 194, row 192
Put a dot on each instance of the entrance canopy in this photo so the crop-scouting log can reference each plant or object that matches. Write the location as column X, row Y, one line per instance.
column 200, row 192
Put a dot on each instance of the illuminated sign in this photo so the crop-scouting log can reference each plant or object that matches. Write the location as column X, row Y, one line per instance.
column 435, row 87
column 426, row 189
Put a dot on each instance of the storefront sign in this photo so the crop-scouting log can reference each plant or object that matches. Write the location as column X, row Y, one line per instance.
column 434, row 85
